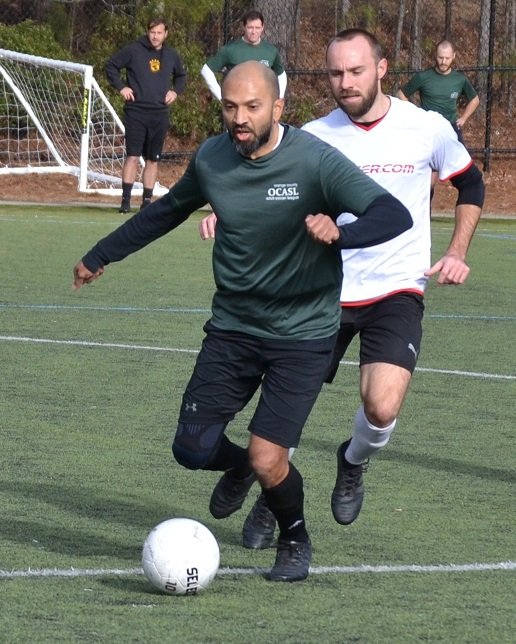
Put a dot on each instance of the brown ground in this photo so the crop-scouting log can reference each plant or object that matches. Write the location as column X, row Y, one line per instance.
column 62, row 189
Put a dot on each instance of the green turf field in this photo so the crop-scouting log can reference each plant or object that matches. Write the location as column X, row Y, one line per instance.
column 90, row 392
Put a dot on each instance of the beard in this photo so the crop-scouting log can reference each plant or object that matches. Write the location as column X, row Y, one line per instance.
column 357, row 110
column 249, row 147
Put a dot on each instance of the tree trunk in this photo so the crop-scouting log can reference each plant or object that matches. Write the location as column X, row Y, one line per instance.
column 281, row 21
column 415, row 55
column 483, row 50
column 399, row 32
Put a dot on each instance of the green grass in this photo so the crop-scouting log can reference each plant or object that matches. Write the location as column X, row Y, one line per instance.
column 86, row 469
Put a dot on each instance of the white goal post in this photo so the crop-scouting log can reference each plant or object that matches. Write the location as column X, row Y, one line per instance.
column 54, row 118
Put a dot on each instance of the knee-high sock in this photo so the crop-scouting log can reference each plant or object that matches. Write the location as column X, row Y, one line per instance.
column 286, row 502
column 367, row 439
column 230, row 456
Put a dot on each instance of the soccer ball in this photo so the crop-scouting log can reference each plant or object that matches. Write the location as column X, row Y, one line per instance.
column 180, row 557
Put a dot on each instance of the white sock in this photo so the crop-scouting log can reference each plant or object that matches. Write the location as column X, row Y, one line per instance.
column 291, row 453
column 367, row 439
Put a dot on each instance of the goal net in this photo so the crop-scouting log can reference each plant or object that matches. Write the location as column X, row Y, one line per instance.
column 54, row 118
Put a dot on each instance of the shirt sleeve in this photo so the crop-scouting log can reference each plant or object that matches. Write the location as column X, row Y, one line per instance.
column 468, row 90
column 218, row 61
column 413, row 85
column 150, row 223
column 178, row 74
column 449, row 156
column 114, row 66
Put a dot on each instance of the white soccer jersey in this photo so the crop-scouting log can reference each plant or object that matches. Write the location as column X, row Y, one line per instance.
column 399, row 152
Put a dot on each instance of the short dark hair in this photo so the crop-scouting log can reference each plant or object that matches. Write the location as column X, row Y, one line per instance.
column 252, row 14
column 445, row 43
column 154, row 22
column 349, row 34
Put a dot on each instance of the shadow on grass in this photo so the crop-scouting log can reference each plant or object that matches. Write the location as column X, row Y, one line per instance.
column 70, row 534
column 453, row 466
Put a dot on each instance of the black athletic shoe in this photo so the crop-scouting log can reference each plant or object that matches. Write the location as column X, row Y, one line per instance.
column 229, row 494
column 348, row 493
column 145, row 203
column 292, row 561
column 125, row 207
column 259, row 526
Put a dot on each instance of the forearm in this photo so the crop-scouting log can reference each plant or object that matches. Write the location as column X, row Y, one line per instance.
column 149, row 224
column 384, row 219
column 466, row 220
column 469, row 109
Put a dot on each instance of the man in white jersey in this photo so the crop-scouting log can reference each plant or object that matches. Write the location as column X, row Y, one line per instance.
column 398, row 145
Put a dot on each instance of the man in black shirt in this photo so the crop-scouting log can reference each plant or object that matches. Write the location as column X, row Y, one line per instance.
column 155, row 75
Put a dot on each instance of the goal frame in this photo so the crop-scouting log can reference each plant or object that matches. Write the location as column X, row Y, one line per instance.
column 90, row 91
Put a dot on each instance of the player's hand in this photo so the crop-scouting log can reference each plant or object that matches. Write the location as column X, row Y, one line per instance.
column 207, row 226
column 170, row 97
column 452, row 269
column 322, row 228
column 127, row 94
column 82, row 275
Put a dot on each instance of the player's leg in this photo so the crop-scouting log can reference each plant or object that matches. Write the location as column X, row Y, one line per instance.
column 157, row 129
column 389, row 346
column 225, row 377
column 260, row 524
column 292, row 380
column 134, row 141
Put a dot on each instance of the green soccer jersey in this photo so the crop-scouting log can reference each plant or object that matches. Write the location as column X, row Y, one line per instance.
column 440, row 92
column 272, row 279
column 239, row 51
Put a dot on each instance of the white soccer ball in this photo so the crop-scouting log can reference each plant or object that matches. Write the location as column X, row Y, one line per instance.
column 180, row 557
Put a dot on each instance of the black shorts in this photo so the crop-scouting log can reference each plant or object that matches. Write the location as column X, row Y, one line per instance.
column 145, row 134
column 390, row 331
column 231, row 367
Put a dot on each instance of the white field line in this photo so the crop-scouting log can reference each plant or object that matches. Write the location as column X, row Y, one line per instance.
column 142, row 347
column 174, row 310
column 317, row 570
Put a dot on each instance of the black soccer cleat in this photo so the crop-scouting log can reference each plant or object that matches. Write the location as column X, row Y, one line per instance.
column 259, row 526
column 125, row 207
column 229, row 494
column 292, row 561
column 348, row 493
column 145, row 203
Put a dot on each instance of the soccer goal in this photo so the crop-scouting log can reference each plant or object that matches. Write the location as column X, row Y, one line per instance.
column 54, row 118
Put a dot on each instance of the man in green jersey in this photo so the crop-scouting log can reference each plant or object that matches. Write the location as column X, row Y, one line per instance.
column 251, row 46
column 277, row 192
column 441, row 87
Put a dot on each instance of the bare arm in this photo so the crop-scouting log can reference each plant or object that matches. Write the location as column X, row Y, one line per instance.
column 401, row 96
column 468, row 111
column 452, row 267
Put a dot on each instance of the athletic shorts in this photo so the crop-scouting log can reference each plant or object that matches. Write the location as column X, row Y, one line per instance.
column 145, row 134
column 231, row 367
column 390, row 331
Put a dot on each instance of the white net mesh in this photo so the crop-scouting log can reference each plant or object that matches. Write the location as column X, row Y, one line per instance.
column 55, row 118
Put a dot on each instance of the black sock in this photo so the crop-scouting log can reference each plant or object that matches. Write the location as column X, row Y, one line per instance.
column 126, row 192
column 147, row 195
column 230, row 456
column 286, row 503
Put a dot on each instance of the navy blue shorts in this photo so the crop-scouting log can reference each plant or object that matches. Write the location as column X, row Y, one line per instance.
column 145, row 134
column 231, row 367
column 390, row 331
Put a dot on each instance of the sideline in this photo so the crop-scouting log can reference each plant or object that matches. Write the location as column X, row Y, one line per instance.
column 317, row 570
